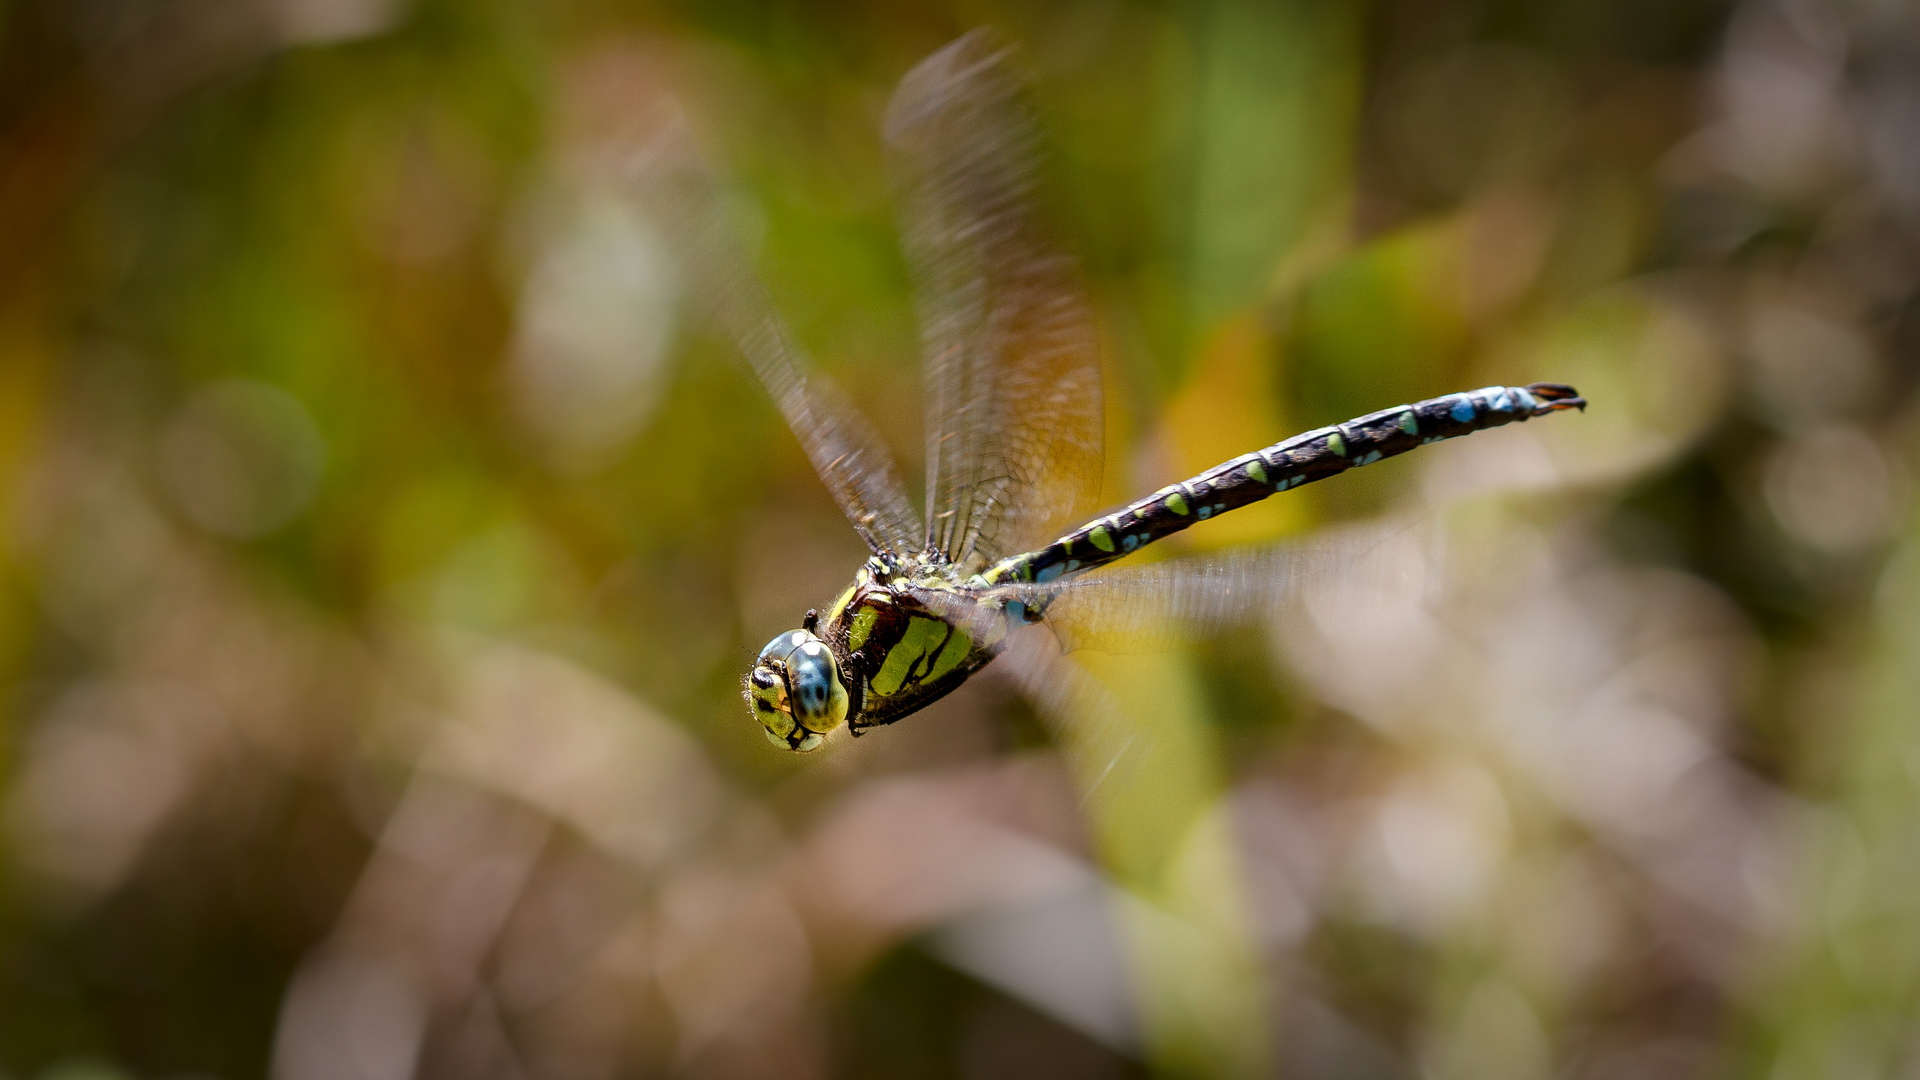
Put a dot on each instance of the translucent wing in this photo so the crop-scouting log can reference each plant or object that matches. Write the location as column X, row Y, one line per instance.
column 1113, row 742
column 1105, row 747
column 682, row 197
column 1012, row 357
column 1126, row 609
column 1152, row 606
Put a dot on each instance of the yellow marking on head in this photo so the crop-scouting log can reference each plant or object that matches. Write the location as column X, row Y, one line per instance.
column 770, row 707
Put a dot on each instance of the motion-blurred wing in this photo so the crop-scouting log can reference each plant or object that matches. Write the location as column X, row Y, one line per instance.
column 681, row 195
column 1012, row 354
column 1106, row 747
column 1153, row 606
column 1135, row 609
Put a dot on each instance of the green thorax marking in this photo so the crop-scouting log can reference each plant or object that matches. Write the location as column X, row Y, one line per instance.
column 929, row 649
column 895, row 655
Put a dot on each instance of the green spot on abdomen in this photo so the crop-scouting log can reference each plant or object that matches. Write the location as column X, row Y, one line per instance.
column 1256, row 470
column 1101, row 538
column 1409, row 423
column 1177, row 503
column 1338, row 444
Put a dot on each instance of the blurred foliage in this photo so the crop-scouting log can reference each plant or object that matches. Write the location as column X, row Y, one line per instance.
column 383, row 546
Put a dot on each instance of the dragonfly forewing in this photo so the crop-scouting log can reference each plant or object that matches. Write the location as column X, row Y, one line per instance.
column 1012, row 354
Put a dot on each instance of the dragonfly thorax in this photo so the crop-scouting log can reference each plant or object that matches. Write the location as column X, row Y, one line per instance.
column 879, row 653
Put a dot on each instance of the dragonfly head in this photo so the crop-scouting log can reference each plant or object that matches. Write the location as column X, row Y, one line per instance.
column 795, row 690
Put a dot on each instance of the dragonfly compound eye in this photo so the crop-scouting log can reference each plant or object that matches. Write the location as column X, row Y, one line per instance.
column 795, row 691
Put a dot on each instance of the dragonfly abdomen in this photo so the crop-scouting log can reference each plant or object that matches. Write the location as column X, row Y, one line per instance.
column 1299, row 460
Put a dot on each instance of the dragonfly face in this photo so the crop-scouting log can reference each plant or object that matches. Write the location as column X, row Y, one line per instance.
column 796, row 692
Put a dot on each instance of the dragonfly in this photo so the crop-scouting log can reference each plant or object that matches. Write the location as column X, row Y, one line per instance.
column 1008, row 537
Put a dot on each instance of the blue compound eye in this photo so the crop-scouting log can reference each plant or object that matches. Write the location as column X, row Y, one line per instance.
column 783, row 645
column 811, row 685
column 795, row 691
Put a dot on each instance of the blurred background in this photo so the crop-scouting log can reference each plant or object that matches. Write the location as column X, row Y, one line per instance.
column 383, row 545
